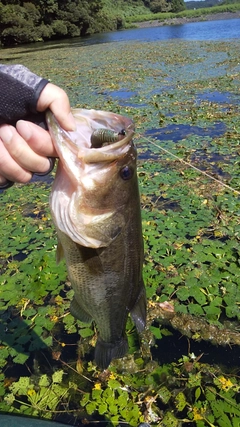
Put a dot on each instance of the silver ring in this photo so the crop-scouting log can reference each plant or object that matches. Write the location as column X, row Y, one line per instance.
column 7, row 184
column 51, row 166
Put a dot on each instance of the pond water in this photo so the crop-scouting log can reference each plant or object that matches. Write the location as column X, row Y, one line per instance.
column 227, row 29
column 206, row 30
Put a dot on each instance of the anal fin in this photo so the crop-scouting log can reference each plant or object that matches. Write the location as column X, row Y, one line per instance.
column 79, row 313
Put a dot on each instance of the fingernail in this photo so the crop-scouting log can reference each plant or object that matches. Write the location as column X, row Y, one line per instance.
column 6, row 134
column 24, row 129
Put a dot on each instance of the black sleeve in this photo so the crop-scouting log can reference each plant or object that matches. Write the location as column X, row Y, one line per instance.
column 19, row 93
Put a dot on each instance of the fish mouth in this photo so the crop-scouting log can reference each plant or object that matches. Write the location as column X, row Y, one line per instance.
column 108, row 153
column 87, row 122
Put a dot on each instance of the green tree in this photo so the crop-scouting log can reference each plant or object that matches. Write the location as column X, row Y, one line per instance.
column 157, row 6
column 177, row 5
column 48, row 10
column 19, row 24
column 32, row 13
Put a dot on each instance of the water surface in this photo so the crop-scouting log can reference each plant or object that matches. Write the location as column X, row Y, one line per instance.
column 225, row 29
column 204, row 30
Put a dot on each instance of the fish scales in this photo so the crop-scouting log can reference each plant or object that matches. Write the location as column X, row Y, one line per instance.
column 96, row 210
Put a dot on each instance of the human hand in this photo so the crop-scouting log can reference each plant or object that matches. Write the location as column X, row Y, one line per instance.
column 26, row 149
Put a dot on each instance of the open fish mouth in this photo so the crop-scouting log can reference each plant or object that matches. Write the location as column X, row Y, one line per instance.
column 99, row 136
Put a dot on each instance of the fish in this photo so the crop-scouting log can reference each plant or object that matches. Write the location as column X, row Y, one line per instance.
column 95, row 206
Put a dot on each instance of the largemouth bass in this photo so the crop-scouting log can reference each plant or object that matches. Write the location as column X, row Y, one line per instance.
column 96, row 210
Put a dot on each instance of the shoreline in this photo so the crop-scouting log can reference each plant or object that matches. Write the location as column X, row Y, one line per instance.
column 185, row 20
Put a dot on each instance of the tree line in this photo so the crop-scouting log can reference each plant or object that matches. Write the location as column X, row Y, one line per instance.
column 40, row 20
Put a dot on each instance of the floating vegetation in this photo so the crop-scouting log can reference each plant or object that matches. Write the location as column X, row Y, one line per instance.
column 184, row 104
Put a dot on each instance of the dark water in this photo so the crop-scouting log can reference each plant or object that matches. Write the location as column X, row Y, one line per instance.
column 178, row 132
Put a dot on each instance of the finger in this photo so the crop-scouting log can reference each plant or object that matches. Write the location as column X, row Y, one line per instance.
column 11, row 170
column 20, row 151
column 57, row 100
column 37, row 138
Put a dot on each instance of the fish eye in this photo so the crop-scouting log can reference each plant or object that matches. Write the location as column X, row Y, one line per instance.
column 126, row 173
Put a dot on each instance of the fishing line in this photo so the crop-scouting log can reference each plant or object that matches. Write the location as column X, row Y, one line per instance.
column 190, row 165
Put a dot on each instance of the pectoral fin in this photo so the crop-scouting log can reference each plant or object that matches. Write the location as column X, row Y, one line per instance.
column 60, row 252
column 91, row 258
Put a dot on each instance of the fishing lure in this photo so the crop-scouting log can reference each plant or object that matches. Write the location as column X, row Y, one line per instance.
column 102, row 136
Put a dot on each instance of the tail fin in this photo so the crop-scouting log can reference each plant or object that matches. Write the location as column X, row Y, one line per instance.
column 105, row 352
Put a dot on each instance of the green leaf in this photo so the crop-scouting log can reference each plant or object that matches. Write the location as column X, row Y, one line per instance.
column 43, row 381
column 114, row 384
column 195, row 309
column 212, row 311
column 164, row 394
column 86, row 332
column 183, row 293
column 198, row 393
column 156, row 332
column 224, row 421
column 122, row 399
column 180, row 401
column 85, row 399
column 21, row 358
column 20, row 386
column 113, row 410
column 91, row 407
column 102, row 408
column 96, row 394
column 57, row 377
column 198, row 295
column 2, row 390
column 9, row 398
column 169, row 420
